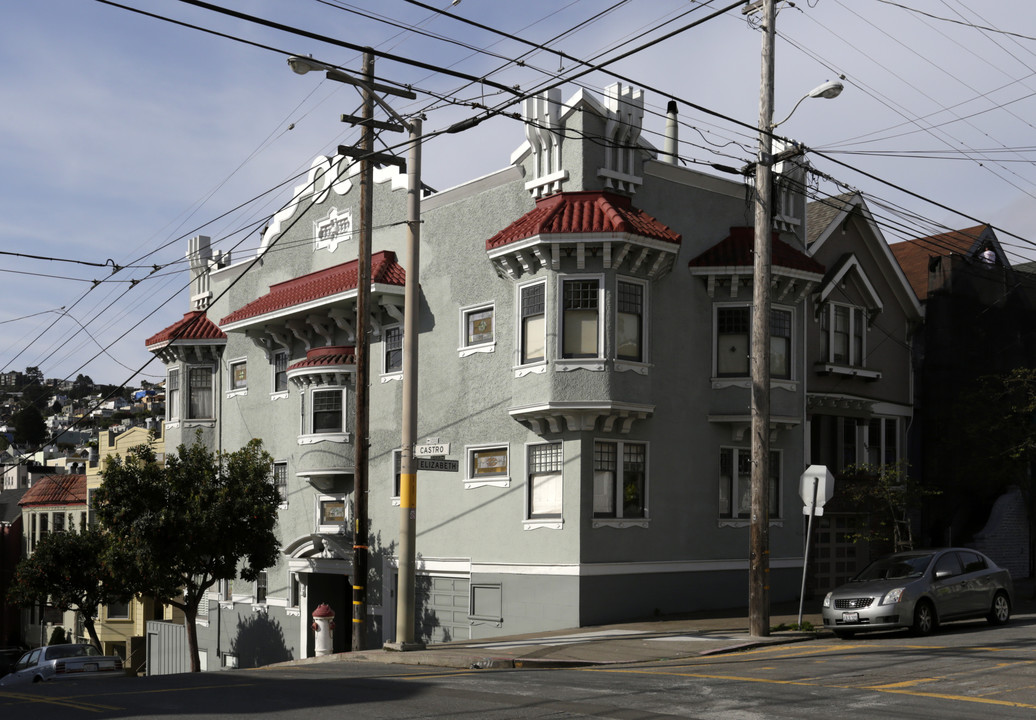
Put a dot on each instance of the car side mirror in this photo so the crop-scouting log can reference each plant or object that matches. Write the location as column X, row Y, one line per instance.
column 940, row 574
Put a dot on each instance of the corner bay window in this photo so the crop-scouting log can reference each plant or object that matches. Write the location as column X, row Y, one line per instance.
column 533, row 341
column 619, row 489
column 545, row 482
column 629, row 322
column 580, row 319
column 735, row 483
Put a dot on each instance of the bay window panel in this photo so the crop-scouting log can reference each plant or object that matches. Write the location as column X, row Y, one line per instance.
column 173, row 394
column 327, row 411
column 732, row 329
column 199, row 393
column 634, row 468
column 533, row 341
column 581, row 319
column 780, row 343
column 605, row 466
column 629, row 326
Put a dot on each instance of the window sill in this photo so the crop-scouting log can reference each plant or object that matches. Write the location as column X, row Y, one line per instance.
column 389, row 377
column 569, row 364
column 172, row 424
column 473, row 349
column 745, row 522
column 236, row 393
column 640, row 368
column 534, row 369
column 324, row 437
column 293, row 612
column 282, row 395
column 557, row 524
column 829, row 368
column 226, row 604
column 620, row 523
column 719, row 383
column 395, row 501
column 260, row 608
column 470, row 483
column 199, row 423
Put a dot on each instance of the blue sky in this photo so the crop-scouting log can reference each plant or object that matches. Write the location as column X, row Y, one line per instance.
column 123, row 135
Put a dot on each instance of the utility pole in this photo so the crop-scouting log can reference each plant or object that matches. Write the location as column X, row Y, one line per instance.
column 363, row 344
column 759, row 531
column 407, row 463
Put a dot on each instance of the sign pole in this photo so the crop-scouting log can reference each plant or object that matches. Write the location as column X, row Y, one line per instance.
column 809, row 541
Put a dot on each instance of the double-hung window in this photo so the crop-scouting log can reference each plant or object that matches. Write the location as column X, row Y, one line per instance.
column 199, row 392
column 735, row 483
column 620, row 479
column 280, row 371
column 280, row 481
column 545, row 481
column 261, row 581
column 327, row 411
column 629, row 322
column 780, row 343
column 393, row 349
column 532, row 343
column 843, row 335
column 733, row 341
column 580, row 318
column 172, row 394
column 883, row 441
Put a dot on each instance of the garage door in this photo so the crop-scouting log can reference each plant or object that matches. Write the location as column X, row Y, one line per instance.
column 442, row 608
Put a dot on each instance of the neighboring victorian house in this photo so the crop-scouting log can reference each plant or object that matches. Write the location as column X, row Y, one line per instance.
column 122, row 627
column 54, row 503
column 980, row 319
column 585, row 315
column 12, row 545
column 863, row 320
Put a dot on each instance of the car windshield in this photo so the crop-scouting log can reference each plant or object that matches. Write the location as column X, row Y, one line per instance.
column 67, row 651
column 895, row 567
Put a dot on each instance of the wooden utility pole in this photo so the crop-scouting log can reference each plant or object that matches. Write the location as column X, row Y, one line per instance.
column 363, row 343
column 759, row 531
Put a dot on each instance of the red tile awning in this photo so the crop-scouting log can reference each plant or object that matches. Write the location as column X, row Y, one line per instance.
column 194, row 326
column 738, row 250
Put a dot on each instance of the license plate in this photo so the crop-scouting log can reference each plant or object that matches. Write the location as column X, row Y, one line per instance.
column 90, row 667
column 848, row 617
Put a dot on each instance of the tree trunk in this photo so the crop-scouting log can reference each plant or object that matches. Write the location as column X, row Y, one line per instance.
column 190, row 612
column 88, row 623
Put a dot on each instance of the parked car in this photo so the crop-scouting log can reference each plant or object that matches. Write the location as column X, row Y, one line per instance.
column 920, row 589
column 8, row 657
column 62, row 662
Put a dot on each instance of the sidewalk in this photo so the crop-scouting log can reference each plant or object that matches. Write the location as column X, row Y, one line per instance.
column 671, row 638
column 691, row 635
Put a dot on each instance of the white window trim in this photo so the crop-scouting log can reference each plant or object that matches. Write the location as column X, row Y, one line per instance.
column 276, row 394
column 846, row 368
column 464, row 350
column 173, row 410
column 471, row 480
column 543, row 523
column 594, row 364
column 624, row 522
column 332, row 529
column 232, row 391
column 307, row 436
column 273, row 479
column 386, row 375
column 721, row 381
column 289, row 609
column 185, row 392
column 537, row 367
column 641, row 367
column 739, row 522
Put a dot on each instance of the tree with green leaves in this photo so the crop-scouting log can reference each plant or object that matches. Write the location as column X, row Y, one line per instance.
column 70, row 571
column 200, row 518
column 29, row 426
column 890, row 496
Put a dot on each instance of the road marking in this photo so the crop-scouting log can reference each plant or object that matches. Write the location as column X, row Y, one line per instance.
column 62, row 702
column 903, row 684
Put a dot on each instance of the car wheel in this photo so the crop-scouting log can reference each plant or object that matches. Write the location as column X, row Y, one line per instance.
column 845, row 634
column 37, row 679
column 924, row 618
column 1000, row 612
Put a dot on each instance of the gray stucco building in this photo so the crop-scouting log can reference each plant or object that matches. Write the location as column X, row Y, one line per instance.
column 584, row 333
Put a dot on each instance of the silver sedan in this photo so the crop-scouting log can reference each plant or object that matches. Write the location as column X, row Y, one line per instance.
column 75, row 661
column 919, row 589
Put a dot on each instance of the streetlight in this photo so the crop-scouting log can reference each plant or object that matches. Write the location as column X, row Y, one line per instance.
column 830, row 89
column 759, row 528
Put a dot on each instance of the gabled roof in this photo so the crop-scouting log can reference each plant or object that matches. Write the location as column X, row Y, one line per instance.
column 913, row 255
column 194, row 326
column 821, row 213
column 56, row 490
column 9, row 509
column 737, row 250
column 320, row 285
column 583, row 213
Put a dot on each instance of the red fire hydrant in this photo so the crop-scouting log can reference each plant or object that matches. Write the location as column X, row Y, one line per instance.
column 323, row 628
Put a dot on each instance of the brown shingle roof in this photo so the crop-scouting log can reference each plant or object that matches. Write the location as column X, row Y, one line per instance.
column 56, row 490
column 583, row 212
column 321, row 284
column 913, row 255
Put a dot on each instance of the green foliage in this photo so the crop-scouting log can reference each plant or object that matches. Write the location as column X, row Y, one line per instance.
column 201, row 518
column 29, row 426
column 71, row 571
column 890, row 495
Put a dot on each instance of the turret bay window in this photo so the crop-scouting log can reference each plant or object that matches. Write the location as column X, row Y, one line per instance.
column 327, row 411
column 545, row 481
column 199, row 393
column 532, row 342
column 581, row 318
column 629, row 322
column 735, row 483
column 620, row 488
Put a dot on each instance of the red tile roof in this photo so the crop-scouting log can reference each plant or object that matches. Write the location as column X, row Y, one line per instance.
column 737, row 250
column 583, row 212
column 913, row 255
column 56, row 490
column 326, row 356
column 194, row 325
column 323, row 283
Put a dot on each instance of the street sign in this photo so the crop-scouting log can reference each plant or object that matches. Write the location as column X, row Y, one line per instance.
column 432, row 450
column 438, row 465
column 817, row 482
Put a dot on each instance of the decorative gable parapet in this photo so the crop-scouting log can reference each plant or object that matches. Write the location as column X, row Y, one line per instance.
column 545, row 133
column 625, row 108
